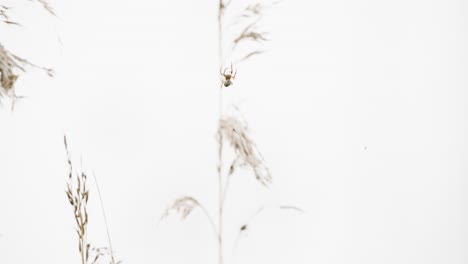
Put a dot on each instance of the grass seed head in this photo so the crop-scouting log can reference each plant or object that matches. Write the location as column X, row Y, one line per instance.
column 235, row 131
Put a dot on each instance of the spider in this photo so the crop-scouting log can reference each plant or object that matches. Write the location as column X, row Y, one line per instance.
column 228, row 77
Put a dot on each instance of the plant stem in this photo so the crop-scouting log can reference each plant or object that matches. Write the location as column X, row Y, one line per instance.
column 207, row 214
column 220, row 142
column 83, row 252
column 105, row 219
column 83, row 235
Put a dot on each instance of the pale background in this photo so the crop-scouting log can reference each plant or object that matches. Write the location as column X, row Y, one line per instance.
column 359, row 108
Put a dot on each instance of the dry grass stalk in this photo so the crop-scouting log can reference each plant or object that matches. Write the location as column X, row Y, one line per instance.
column 78, row 194
column 247, row 31
column 252, row 33
column 184, row 206
column 235, row 131
column 109, row 241
column 11, row 64
column 8, row 63
column 232, row 129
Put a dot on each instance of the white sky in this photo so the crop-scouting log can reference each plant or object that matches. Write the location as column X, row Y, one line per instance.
column 359, row 108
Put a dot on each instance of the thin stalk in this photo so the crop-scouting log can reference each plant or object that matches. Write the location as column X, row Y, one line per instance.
column 81, row 225
column 207, row 214
column 85, row 244
column 105, row 219
column 220, row 189
column 220, row 208
column 83, row 248
column 220, row 142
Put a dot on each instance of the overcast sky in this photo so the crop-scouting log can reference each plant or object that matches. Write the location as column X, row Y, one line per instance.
column 359, row 109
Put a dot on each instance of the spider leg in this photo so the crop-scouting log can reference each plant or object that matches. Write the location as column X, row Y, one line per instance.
column 234, row 75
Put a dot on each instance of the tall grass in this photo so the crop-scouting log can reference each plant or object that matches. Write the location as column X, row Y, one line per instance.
column 78, row 194
column 244, row 38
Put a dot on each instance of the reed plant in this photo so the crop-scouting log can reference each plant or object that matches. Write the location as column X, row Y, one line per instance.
column 239, row 39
